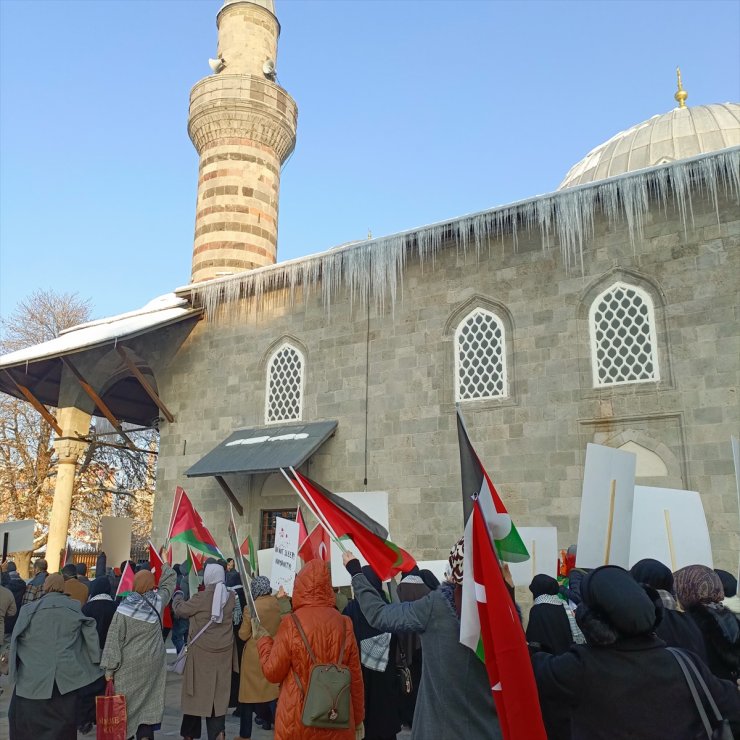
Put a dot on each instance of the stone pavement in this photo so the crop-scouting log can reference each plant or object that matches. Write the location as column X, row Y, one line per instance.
column 172, row 715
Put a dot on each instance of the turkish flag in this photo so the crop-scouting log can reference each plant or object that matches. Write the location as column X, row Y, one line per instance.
column 316, row 546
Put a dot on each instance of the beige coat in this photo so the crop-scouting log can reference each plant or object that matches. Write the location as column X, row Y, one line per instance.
column 254, row 688
column 7, row 609
column 211, row 659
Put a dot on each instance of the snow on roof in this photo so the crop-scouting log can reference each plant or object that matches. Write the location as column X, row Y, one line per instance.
column 166, row 309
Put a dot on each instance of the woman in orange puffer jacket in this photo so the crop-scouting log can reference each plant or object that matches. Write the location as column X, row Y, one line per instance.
column 325, row 628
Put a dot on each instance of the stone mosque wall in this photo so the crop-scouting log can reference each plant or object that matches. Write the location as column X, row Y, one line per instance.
column 532, row 441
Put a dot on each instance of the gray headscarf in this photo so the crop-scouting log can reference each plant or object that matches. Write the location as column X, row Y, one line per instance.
column 260, row 586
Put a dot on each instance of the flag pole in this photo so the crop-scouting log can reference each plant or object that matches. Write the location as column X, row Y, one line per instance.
column 239, row 560
column 175, row 504
column 307, row 499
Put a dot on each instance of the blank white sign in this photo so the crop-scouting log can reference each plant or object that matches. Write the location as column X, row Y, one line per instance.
column 542, row 545
column 20, row 535
column 606, row 507
column 669, row 525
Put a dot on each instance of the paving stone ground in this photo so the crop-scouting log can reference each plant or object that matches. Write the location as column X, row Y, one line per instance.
column 172, row 715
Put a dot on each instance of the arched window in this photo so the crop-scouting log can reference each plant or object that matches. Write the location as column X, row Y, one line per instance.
column 623, row 342
column 284, row 399
column 480, row 357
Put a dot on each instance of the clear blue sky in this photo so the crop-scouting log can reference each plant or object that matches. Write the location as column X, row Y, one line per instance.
column 409, row 113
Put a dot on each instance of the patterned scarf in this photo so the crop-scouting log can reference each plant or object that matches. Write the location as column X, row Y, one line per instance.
column 141, row 607
column 575, row 630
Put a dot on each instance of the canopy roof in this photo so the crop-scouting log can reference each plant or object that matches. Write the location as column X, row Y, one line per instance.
column 264, row 449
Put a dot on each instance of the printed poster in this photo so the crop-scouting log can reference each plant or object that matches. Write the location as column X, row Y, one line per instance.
column 285, row 556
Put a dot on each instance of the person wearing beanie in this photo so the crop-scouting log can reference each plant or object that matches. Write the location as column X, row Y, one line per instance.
column 676, row 628
column 72, row 586
column 624, row 683
column 82, row 575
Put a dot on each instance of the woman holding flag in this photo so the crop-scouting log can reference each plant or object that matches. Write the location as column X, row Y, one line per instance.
column 134, row 654
column 454, row 697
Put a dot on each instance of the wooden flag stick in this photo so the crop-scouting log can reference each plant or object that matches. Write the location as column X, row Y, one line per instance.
column 667, row 515
column 534, row 558
column 307, row 499
column 610, row 523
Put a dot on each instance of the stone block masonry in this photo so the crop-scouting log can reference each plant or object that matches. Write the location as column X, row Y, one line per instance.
column 532, row 442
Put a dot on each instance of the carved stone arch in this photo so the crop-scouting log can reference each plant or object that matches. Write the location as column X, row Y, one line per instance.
column 279, row 342
column 501, row 312
column 651, row 453
column 623, row 275
column 643, row 283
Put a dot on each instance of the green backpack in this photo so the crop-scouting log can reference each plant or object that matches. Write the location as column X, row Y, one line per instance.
column 326, row 702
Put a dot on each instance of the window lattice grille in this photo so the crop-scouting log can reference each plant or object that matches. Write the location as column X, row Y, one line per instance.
column 285, row 385
column 480, row 357
column 623, row 337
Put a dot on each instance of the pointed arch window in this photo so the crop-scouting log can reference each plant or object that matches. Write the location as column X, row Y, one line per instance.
column 623, row 340
column 480, row 357
column 285, row 374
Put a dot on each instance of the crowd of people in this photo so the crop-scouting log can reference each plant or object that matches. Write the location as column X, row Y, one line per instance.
column 601, row 646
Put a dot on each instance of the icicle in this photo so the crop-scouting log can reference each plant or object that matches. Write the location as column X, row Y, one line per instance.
column 372, row 270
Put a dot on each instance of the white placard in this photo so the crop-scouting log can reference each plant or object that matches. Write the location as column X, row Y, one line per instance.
column 436, row 566
column 20, row 535
column 115, row 534
column 375, row 505
column 285, row 555
column 669, row 525
column 542, row 545
column 606, row 507
column 264, row 561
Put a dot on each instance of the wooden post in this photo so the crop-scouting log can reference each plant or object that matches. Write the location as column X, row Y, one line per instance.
column 534, row 558
column 669, row 532
column 610, row 523
column 145, row 384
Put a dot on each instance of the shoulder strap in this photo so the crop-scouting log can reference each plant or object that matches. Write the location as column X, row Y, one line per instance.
column 681, row 659
column 303, row 637
column 154, row 609
column 344, row 643
column 704, row 687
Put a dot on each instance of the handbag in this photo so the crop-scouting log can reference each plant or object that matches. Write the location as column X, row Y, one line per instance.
column 405, row 682
column 719, row 729
column 178, row 665
column 110, row 715
column 326, row 701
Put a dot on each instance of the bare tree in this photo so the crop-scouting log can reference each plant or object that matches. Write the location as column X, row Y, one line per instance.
column 109, row 480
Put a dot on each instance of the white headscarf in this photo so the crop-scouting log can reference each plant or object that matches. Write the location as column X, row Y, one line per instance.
column 214, row 574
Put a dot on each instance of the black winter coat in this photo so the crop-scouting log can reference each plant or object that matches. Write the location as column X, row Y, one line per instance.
column 720, row 629
column 632, row 689
column 678, row 629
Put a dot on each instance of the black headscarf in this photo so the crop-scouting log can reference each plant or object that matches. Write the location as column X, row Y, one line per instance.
column 544, row 585
column 430, row 580
column 729, row 582
column 653, row 573
column 361, row 626
column 613, row 597
column 100, row 585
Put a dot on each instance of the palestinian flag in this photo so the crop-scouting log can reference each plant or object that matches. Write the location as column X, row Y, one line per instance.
column 344, row 519
column 187, row 527
column 316, row 546
column 248, row 550
column 476, row 483
column 67, row 557
column 155, row 563
column 193, row 563
column 489, row 625
column 126, row 584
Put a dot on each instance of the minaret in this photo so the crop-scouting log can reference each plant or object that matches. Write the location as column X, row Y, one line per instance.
column 243, row 125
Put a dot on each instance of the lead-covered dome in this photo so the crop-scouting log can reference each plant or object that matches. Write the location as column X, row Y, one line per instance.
column 678, row 134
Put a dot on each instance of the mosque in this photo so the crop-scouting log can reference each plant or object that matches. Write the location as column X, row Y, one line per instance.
column 604, row 312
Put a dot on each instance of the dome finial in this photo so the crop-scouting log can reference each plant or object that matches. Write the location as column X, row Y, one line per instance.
column 681, row 94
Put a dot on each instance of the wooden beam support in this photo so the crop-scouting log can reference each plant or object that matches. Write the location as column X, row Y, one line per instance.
column 48, row 416
column 144, row 383
column 230, row 495
column 98, row 401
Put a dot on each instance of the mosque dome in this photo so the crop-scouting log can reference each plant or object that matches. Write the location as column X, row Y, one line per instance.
column 678, row 134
